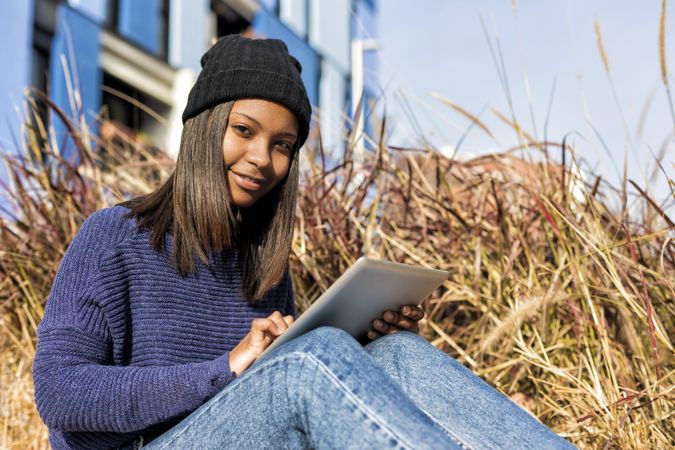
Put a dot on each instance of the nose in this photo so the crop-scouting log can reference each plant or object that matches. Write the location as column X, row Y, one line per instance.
column 258, row 153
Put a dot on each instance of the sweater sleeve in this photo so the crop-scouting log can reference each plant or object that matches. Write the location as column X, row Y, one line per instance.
column 77, row 387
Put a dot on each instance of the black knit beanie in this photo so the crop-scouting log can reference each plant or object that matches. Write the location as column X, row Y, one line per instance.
column 237, row 67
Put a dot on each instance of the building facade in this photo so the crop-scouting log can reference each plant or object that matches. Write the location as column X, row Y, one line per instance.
column 134, row 61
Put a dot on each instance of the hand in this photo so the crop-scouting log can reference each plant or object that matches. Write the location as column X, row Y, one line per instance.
column 407, row 319
column 263, row 332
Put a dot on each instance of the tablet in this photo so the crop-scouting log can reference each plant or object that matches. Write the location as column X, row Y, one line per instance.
column 362, row 294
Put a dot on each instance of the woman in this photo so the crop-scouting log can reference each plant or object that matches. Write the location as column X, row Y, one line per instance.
column 161, row 304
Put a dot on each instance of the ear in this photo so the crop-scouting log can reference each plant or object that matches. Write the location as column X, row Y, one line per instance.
column 296, row 63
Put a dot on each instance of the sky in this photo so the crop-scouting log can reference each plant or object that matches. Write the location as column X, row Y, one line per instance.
column 551, row 57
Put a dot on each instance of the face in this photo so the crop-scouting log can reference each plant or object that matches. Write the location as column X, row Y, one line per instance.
column 257, row 148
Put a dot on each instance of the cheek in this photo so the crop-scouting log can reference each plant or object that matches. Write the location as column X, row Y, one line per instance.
column 281, row 164
column 230, row 149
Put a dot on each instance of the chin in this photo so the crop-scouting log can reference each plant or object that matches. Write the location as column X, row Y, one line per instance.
column 244, row 202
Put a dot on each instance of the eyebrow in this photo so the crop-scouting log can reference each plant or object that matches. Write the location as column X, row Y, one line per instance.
column 283, row 133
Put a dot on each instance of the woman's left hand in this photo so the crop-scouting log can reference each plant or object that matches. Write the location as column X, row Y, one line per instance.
column 405, row 320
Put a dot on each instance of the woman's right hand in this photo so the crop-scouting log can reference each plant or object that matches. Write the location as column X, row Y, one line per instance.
column 263, row 332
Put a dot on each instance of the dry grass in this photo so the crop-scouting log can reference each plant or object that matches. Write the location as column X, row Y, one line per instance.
column 553, row 297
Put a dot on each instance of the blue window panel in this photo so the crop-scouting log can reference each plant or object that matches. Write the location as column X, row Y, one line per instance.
column 96, row 9
column 368, row 117
column 329, row 31
column 16, row 22
column 294, row 14
column 77, row 39
column 371, row 75
column 271, row 6
column 332, row 88
column 372, row 4
column 190, row 34
column 266, row 25
column 139, row 22
column 364, row 26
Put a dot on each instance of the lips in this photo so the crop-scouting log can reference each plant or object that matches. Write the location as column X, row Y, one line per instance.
column 248, row 182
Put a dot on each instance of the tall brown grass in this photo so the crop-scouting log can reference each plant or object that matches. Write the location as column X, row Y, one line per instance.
column 554, row 298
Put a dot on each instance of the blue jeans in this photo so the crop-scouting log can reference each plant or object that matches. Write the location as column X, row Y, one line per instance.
column 324, row 390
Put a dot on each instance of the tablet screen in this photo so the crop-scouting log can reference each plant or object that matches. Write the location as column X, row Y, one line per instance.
column 362, row 294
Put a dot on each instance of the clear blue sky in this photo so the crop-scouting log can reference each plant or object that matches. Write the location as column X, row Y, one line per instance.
column 439, row 46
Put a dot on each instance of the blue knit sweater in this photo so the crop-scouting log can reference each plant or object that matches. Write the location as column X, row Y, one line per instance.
column 127, row 347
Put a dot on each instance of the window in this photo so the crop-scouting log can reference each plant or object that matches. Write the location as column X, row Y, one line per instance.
column 127, row 106
column 144, row 23
column 229, row 21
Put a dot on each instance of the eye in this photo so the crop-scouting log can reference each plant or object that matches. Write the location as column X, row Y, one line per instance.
column 242, row 129
column 287, row 146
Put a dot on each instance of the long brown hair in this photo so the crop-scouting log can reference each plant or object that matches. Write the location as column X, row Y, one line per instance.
column 194, row 204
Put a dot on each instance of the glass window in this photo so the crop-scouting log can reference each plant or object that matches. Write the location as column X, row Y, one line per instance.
column 330, row 30
column 294, row 14
column 145, row 23
column 272, row 6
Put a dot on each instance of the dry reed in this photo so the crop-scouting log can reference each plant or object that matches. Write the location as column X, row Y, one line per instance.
column 554, row 298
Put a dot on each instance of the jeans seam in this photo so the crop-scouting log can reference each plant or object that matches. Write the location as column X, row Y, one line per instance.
column 371, row 415
column 413, row 348
column 205, row 409
column 448, row 432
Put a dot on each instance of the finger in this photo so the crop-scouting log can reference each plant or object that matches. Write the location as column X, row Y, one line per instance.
column 415, row 328
column 383, row 327
column 372, row 335
column 279, row 321
column 261, row 326
column 399, row 320
column 413, row 311
column 289, row 319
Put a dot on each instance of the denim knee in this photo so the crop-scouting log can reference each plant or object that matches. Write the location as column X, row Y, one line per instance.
column 405, row 350
column 322, row 340
column 331, row 348
column 325, row 338
column 401, row 343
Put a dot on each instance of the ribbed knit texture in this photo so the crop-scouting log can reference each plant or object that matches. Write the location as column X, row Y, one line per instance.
column 126, row 346
column 237, row 67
